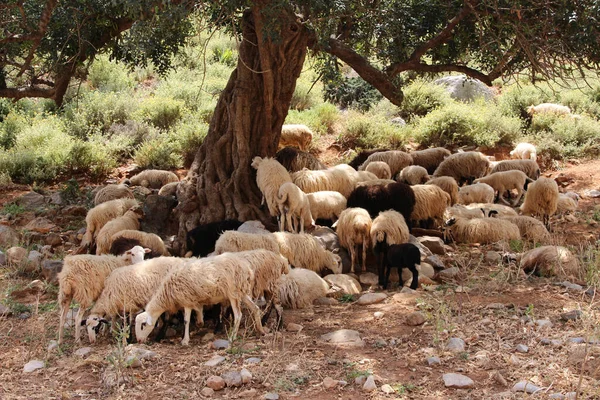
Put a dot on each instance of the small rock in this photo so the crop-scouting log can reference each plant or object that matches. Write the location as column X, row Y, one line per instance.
column 398, row 121
column 414, row 319
column 253, row 360
column 84, row 351
column 346, row 283
column 493, row 257
column 577, row 340
column 572, row 286
column 449, row 273
column 378, row 315
column 40, row 225
column 216, row 383
column 25, row 315
column 553, row 342
column 292, row 327
column 220, row 344
column 457, row 381
column 500, row 379
column 33, row 365
column 140, row 352
column 325, row 301
column 16, row 255
column 571, row 315
column 387, row 389
column 53, row 239
column 50, row 270
column 407, row 290
column 592, row 193
column 360, row 380
column 329, row 383
column 433, row 361
column 246, row 375
column 571, row 396
column 53, row 345
column 249, row 393
column 380, row 343
column 8, row 237
column 271, row 396
column 434, row 244
column 31, row 200
column 435, row 262
column 56, row 198
column 214, row 361
column 557, row 396
column 521, row 348
column 4, row 311
column 425, row 270
column 371, row 298
column 35, row 259
column 527, row 387
column 425, row 252
column 232, row 378
column 207, row 392
column 133, row 362
column 370, row 385
column 455, row 345
column 543, row 323
column 369, row 278
column 343, row 337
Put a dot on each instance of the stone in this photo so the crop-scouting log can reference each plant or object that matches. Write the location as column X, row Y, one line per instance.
column 455, row 345
column 216, row 383
column 557, row 396
column 371, row 298
column 157, row 213
column 435, row 262
column 406, row 290
column 398, row 121
column 253, row 360
column 592, row 193
column 33, row 365
column 35, row 259
column 52, row 345
column 433, row 361
column 527, row 387
column 40, row 225
column 577, row 340
column 434, row 244
column 292, row 327
column 571, row 286
column 370, row 385
column 466, row 89
column 329, row 383
column 343, row 337
column 521, row 348
column 252, row 393
column 387, row 389
column 83, row 351
column 369, row 278
column 133, row 362
column 425, row 252
column 140, row 353
column 50, row 270
column 457, row 381
column 425, row 269
column 360, row 380
column 31, row 200
column 3, row 260
column 16, row 255
column 214, row 361
column 53, row 239
column 571, row 396
column 75, row 211
column 325, row 301
column 232, row 378
column 543, row 323
column 571, row 315
column 271, row 396
column 56, row 198
column 346, row 283
column 246, row 376
column 8, row 237
column 207, row 392
column 378, row 315
column 414, row 319
column 493, row 257
column 551, row 342
column 548, row 261
column 449, row 273
column 220, row 344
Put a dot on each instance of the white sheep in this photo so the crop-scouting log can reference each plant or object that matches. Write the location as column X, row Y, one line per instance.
column 365, row 176
column 293, row 207
column 506, row 181
column 113, row 192
column 153, row 178
column 541, row 199
column 414, row 175
column 170, row 189
column 234, row 241
column 566, row 204
column 129, row 220
column 530, row 167
column 430, row 159
column 548, row 108
column 354, row 228
column 270, row 175
column 498, row 210
column 430, row 204
column 530, row 228
column 395, row 159
column 326, row 205
column 295, row 135
column 336, row 179
column 300, row 288
column 448, row 185
column 375, row 182
column 82, row 279
column 146, row 239
column 380, row 169
column 525, row 151
column 98, row 216
column 477, row 193
column 304, row 251
column 464, row 166
column 481, row 230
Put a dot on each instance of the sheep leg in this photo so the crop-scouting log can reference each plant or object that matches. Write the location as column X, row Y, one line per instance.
column 288, row 220
column 199, row 316
column 388, row 271
column 78, row 319
column 237, row 317
column 187, row 315
column 255, row 313
column 364, row 256
column 352, row 249
column 301, row 224
column 519, row 195
column 415, row 280
column 64, row 309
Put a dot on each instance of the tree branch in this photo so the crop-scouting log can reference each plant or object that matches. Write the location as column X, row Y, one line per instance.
column 37, row 38
column 421, row 67
column 30, row 91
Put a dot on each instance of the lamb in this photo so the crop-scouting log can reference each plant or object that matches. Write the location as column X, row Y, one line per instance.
column 300, row 288
column 129, row 220
column 98, row 216
column 293, row 206
column 361, row 157
column 387, row 229
column 376, row 198
column 530, row 228
column 294, row 160
column 380, row 169
column 148, row 240
column 304, row 251
column 506, row 181
column 481, row 230
column 121, row 245
column 476, row 193
column 430, row 204
column 326, row 204
column 207, row 281
column 170, row 189
column 405, row 255
column 524, row 151
column 233, row 241
column 541, row 199
column 430, row 159
column 152, row 178
column 113, row 192
column 82, row 279
column 354, row 228
column 548, row 108
column 530, row 167
column 414, row 175
column 201, row 240
column 464, row 167
column 448, row 185
column 270, row 175
column 396, row 160
column 295, row 135
column 566, row 204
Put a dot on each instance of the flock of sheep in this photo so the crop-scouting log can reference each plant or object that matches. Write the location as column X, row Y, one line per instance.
column 374, row 204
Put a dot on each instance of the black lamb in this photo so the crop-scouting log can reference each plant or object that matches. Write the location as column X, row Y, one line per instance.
column 362, row 157
column 405, row 255
column 376, row 198
column 201, row 240
column 294, row 160
column 121, row 245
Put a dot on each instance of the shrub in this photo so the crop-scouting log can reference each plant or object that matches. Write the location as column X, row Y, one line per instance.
column 188, row 135
column 160, row 152
column 10, row 128
column 561, row 137
column 515, row 99
column 370, row 131
column 109, row 76
column 162, row 112
column 307, row 93
column 353, row 93
column 320, row 119
column 422, row 97
column 580, row 103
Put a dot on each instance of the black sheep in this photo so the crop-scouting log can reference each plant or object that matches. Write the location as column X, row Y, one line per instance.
column 121, row 245
column 362, row 157
column 376, row 198
column 405, row 255
column 201, row 240
column 294, row 160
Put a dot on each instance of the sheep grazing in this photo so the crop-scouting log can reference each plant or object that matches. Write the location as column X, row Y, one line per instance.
column 354, row 228
column 113, row 192
column 270, row 175
column 170, row 189
column 293, row 207
column 395, row 159
column 121, row 245
column 524, row 151
column 430, row 204
column 530, row 167
column 405, row 255
column 414, row 175
column 387, row 229
column 541, row 199
column 129, row 220
column 295, row 135
column 464, row 167
column 448, row 185
column 153, row 178
column 529, row 228
column 548, row 108
column 462, row 211
column 376, row 198
column 234, row 241
column 379, row 169
column 98, row 216
column 128, row 289
column 200, row 283
column 481, row 230
column 506, row 181
column 476, row 193
column 304, row 251
column 82, row 279
column 566, row 204
column 201, row 240
column 361, row 157
column 326, row 205
column 294, row 160
column 430, row 159
column 145, row 239
column 300, row 288
column 336, row 179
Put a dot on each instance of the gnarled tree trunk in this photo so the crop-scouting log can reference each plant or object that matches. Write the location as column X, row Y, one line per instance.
column 246, row 123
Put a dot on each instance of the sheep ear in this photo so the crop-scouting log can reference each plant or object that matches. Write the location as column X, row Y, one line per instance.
column 149, row 320
column 147, row 250
column 83, row 322
column 103, row 321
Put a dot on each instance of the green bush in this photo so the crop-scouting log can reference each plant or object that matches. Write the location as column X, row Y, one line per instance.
column 369, row 131
column 13, row 124
column 160, row 152
column 515, row 99
column 355, row 93
column 580, row 103
column 162, row 112
column 422, row 97
column 307, row 93
column 109, row 76
column 320, row 119
column 560, row 137
column 188, row 135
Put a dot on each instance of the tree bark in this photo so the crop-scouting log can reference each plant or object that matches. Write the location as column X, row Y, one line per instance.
column 246, row 123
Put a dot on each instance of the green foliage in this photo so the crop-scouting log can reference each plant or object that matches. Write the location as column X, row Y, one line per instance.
column 12, row 209
column 188, row 135
column 162, row 112
column 422, row 97
column 159, row 153
column 559, row 137
column 320, row 119
column 9, row 129
column 109, row 76
column 307, row 93
column 353, row 93
column 369, row 131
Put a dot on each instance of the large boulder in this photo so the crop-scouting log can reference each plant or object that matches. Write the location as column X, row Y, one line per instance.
column 465, row 89
column 347, row 284
column 31, row 200
column 551, row 261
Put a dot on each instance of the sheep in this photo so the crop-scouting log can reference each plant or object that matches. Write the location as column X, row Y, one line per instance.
column 82, row 279
column 506, row 181
column 405, row 255
column 148, row 240
column 530, row 167
column 376, row 198
column 329, row 240
column 396, row 160
column 207, row 281
column 233, row 241
column 170, row 189
column 332, row 179
column 524, row 151
column 129, row 220
column 293, row 206
column 548, row 108
column 361, row 157
column 430, row 159
column 476, row 193
column 152, row 178
column 365, row 176
column 113, row 192
column 128, row 289
column 304, row 251
column 380, row 169
column 201, row 240
column 294, row 160
column 414, row 175
column 300, row 288
column 121, row 245
column 551, row 261
column 448, row 185
column 387, row 229
column 430, row 204
column 326, row 205
column 529, row 227
column 375, row 182
column 499, row 210
column 566, row 204
column 481, row 230
column 295, row 135
column 354, row 228
column 256, row 227
column 98, row 216
column 270, row 175
column 541, row 199
column 464, row 167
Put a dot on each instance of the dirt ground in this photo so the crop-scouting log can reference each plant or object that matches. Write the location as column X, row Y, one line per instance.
column 492, row 307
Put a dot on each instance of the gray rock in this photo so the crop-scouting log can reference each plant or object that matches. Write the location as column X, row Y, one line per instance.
column 557, row 396
column 232, row 378
column 493, row 257
column 216, row 383
column 455, row 345
column 346, row 283
column 157, row 214
column 572, row 286
column 255, row 227
column 271, row 396
column 343, row 337
column 435, row 262
column 8, row 237
column 433, row 361
column 425, row 252
column 592, row 193
column 56, row 198
column 50, row 270
column 214, row 361
column 571, row 396
column 449, row 273
column 31, row 200
column 83, row 351
column 53, row 345
column 414, row 319
column 434, row 244
column 407, row 290
column 369, row 278
column 253, row 360
column 521, row 348
column 220, row 344
column 577, row 340
column 360, row 380
column 140, row 353
column 463, row 88
column 571, row 315
column 25, row 315
column 16, row 255
column 246, row 376
column 33, row 365
column 543, row 323
column 371, row 298
column 398, row 121
column 35, row 259
column 369, row 385
column 551, row 342
column 457, row 381
column 527, row 387
column 425, row 269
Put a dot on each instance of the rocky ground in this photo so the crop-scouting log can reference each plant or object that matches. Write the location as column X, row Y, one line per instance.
column 481, row 329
